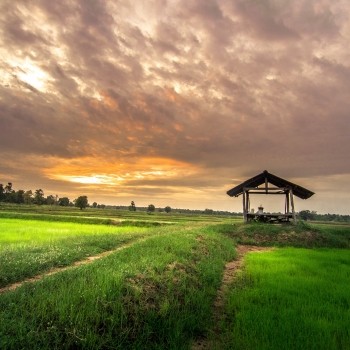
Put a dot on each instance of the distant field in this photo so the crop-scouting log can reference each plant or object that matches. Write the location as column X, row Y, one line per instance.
column 92, row 215
column 158, row 290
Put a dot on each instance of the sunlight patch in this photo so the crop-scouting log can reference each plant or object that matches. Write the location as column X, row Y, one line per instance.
column 29, row 73
column 92, row 171
column 92, row 180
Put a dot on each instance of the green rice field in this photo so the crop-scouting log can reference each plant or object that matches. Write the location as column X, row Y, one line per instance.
column 29, row 247
column 290, row 299
column 156, row 288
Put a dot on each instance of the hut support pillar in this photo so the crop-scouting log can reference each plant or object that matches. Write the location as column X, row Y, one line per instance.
column 245, row 200
column 292, row 205
column 286, row 211
column 248, row 203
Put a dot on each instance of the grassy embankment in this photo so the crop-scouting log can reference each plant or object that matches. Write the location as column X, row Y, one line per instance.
column 300, row 235
column 157, row 293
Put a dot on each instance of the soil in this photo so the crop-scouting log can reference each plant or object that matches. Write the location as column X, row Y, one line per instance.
column 230, row 271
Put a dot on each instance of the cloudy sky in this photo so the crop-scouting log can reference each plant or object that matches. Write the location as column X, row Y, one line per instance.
column 173, row 102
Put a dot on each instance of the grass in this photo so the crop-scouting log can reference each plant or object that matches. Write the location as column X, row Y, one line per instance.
column 290, row 299
column 30, row 247
column 156, row 294
column 300, row 235
column 103, row 216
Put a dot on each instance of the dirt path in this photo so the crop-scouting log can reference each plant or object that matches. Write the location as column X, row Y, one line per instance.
column 229, row 274
column 55, row 270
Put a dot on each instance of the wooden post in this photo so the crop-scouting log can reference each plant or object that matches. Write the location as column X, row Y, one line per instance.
column 248, row 202
column 287, row 202
column 244, row 207
column 292, row 204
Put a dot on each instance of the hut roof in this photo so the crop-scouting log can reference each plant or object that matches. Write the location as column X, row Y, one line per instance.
column 260, row 179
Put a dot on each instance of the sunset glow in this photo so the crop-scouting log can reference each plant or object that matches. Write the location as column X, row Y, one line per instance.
column 93, row 179
column 171, row 101
column 85, row 171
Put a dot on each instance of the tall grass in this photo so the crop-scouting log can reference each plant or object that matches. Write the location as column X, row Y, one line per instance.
column 29, row 247
column 290, row 299
column 156, row 294
column 300, row 235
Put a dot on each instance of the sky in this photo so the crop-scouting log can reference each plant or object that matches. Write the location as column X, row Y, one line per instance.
column 174, row 102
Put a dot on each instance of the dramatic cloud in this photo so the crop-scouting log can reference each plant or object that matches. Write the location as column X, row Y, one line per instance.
column 174, row 102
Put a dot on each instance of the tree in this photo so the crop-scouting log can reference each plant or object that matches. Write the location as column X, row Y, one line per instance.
column 8, row 188
column 9, row 193
column 28, row 197
column 39, row 197
column 20, row 196
column 50, row 200
column 94, row 204
column 81, row 202
column 307, row 215
column 63, row 202
column 2, row 192
column 167, row 209
column 151, row 208
column 132, row 206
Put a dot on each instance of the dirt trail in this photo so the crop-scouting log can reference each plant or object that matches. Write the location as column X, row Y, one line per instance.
column 55, row 270
column 229, row 274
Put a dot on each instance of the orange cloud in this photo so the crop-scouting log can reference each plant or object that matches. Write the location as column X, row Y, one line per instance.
column 99, row 171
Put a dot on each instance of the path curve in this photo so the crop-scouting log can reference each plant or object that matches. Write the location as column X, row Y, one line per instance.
column 230, row 271
column 55, row 270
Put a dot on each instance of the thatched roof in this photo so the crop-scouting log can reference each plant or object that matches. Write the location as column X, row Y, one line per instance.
column 260, row 179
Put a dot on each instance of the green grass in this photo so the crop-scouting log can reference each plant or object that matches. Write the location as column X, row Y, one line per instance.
column 29, row 247
column 156, row 294
column 300, row 235
column 290, row 299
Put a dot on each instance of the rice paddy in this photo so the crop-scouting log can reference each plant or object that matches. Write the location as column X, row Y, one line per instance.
column 290, row 299
column 156, row 289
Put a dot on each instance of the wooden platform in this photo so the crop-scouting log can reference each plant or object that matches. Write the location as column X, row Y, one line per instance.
column 269, row 217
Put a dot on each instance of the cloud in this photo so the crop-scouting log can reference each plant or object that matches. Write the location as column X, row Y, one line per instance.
column 229, row 88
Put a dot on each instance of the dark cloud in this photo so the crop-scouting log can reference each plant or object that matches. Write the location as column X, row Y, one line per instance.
column 229, row 88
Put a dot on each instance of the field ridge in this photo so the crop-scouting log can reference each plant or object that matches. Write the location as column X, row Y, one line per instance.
column 230, row 271
column 55, row 270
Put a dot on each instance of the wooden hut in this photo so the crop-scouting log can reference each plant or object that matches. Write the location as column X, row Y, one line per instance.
column 261, row 184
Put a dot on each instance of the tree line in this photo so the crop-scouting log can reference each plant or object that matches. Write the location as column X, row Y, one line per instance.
column 311, row 215
column 9, row 195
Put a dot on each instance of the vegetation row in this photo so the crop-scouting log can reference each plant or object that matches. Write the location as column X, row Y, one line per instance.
column 9, row 195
